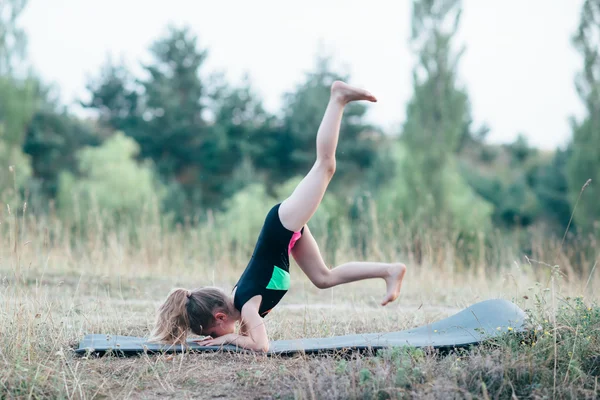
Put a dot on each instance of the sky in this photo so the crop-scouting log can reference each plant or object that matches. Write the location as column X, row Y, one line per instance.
column 518, row 69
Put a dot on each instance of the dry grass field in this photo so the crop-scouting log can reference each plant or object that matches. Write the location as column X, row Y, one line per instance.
column 58, row 283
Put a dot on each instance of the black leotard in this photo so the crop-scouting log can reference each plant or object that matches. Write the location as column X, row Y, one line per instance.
column 268, row 272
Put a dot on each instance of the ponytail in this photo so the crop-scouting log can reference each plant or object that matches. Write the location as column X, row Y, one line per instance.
column 172, row 322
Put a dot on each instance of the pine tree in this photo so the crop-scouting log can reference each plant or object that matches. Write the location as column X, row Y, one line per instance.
column 202, row 134
column 293, row 151
column 116, row 99
column 438, row 115
column 13, row 40
column 584, row 162
column 175, row 133
column 53, row 139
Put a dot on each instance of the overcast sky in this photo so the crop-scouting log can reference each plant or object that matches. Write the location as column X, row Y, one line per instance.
column 518, row 69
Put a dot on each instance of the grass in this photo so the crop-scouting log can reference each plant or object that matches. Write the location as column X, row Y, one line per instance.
column 58, row 283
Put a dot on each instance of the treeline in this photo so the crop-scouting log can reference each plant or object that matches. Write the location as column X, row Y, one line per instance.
column 181, row 138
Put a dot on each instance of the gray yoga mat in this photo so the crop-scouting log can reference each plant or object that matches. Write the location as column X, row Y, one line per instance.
column 475, row 324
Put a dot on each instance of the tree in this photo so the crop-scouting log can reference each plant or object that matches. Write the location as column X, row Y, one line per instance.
column 241, row 118
column 115, row 97
column 13, row 40
column 291, row 150
column 17, row 102
column 520, row 150
column 53, row 139
column 584, row 162
column 176, row 134
column 438, row 115
column 510, row 180
column 550, row 184
column 30, row 121
column 112, row 182
column 168, row 113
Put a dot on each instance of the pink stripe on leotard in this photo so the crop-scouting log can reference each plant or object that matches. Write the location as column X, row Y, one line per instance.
column 293, row 240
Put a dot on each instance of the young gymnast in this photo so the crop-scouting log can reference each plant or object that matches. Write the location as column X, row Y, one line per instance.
column 211, row 312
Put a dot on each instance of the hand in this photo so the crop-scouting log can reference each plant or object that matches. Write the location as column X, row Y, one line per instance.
column 221, row 340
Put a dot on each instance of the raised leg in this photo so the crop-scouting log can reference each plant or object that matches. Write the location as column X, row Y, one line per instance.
column 296, row 210
column 307, row 255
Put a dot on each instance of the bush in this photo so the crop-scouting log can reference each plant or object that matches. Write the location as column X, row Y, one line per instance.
column 112, row 182
column 467, row 211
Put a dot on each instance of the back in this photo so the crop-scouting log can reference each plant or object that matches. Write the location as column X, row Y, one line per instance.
column 267, row 273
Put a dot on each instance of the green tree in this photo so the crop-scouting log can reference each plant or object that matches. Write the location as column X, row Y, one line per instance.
column 53, row 139
column 201, row 133
column 35, row 136
column 111, row 181
column 549, row 182
column 520, row 151
column 584, row 162
column 176, row 134
column 292, row 149
column 115, row 97
column 13, row 40
column 17, row 103
column 241, row 119
column 165, row 112
column 469, row 210
column 513, row 185
column 438, row 115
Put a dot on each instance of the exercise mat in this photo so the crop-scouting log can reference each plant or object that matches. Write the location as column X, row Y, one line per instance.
column 473, row 325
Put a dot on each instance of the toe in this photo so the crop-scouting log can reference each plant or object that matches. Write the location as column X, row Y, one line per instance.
column 371, row 97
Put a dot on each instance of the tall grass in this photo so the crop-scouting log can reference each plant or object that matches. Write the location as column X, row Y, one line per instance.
column 61, row 278
column 98, row 243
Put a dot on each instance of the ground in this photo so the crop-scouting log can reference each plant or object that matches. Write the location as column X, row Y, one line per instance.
column 52, row 296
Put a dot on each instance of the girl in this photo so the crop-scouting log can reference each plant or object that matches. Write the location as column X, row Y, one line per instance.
column 211, row 312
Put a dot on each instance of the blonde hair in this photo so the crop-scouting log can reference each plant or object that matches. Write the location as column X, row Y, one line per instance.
column 186, row 310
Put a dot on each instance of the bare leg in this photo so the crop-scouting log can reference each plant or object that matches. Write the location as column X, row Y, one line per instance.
column 393, row 274
column 307, row 255
column 296, row 210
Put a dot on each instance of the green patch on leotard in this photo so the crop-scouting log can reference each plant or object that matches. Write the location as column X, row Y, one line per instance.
column 280, row 280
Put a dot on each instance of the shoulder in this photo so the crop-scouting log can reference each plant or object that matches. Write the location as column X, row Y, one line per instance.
column 252, row 305
column 250, row 314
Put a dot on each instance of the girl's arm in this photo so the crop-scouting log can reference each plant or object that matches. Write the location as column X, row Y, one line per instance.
column 254, row 335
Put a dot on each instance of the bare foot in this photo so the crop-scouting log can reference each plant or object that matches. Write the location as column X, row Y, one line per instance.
column 345, row 93
column 394, row 282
